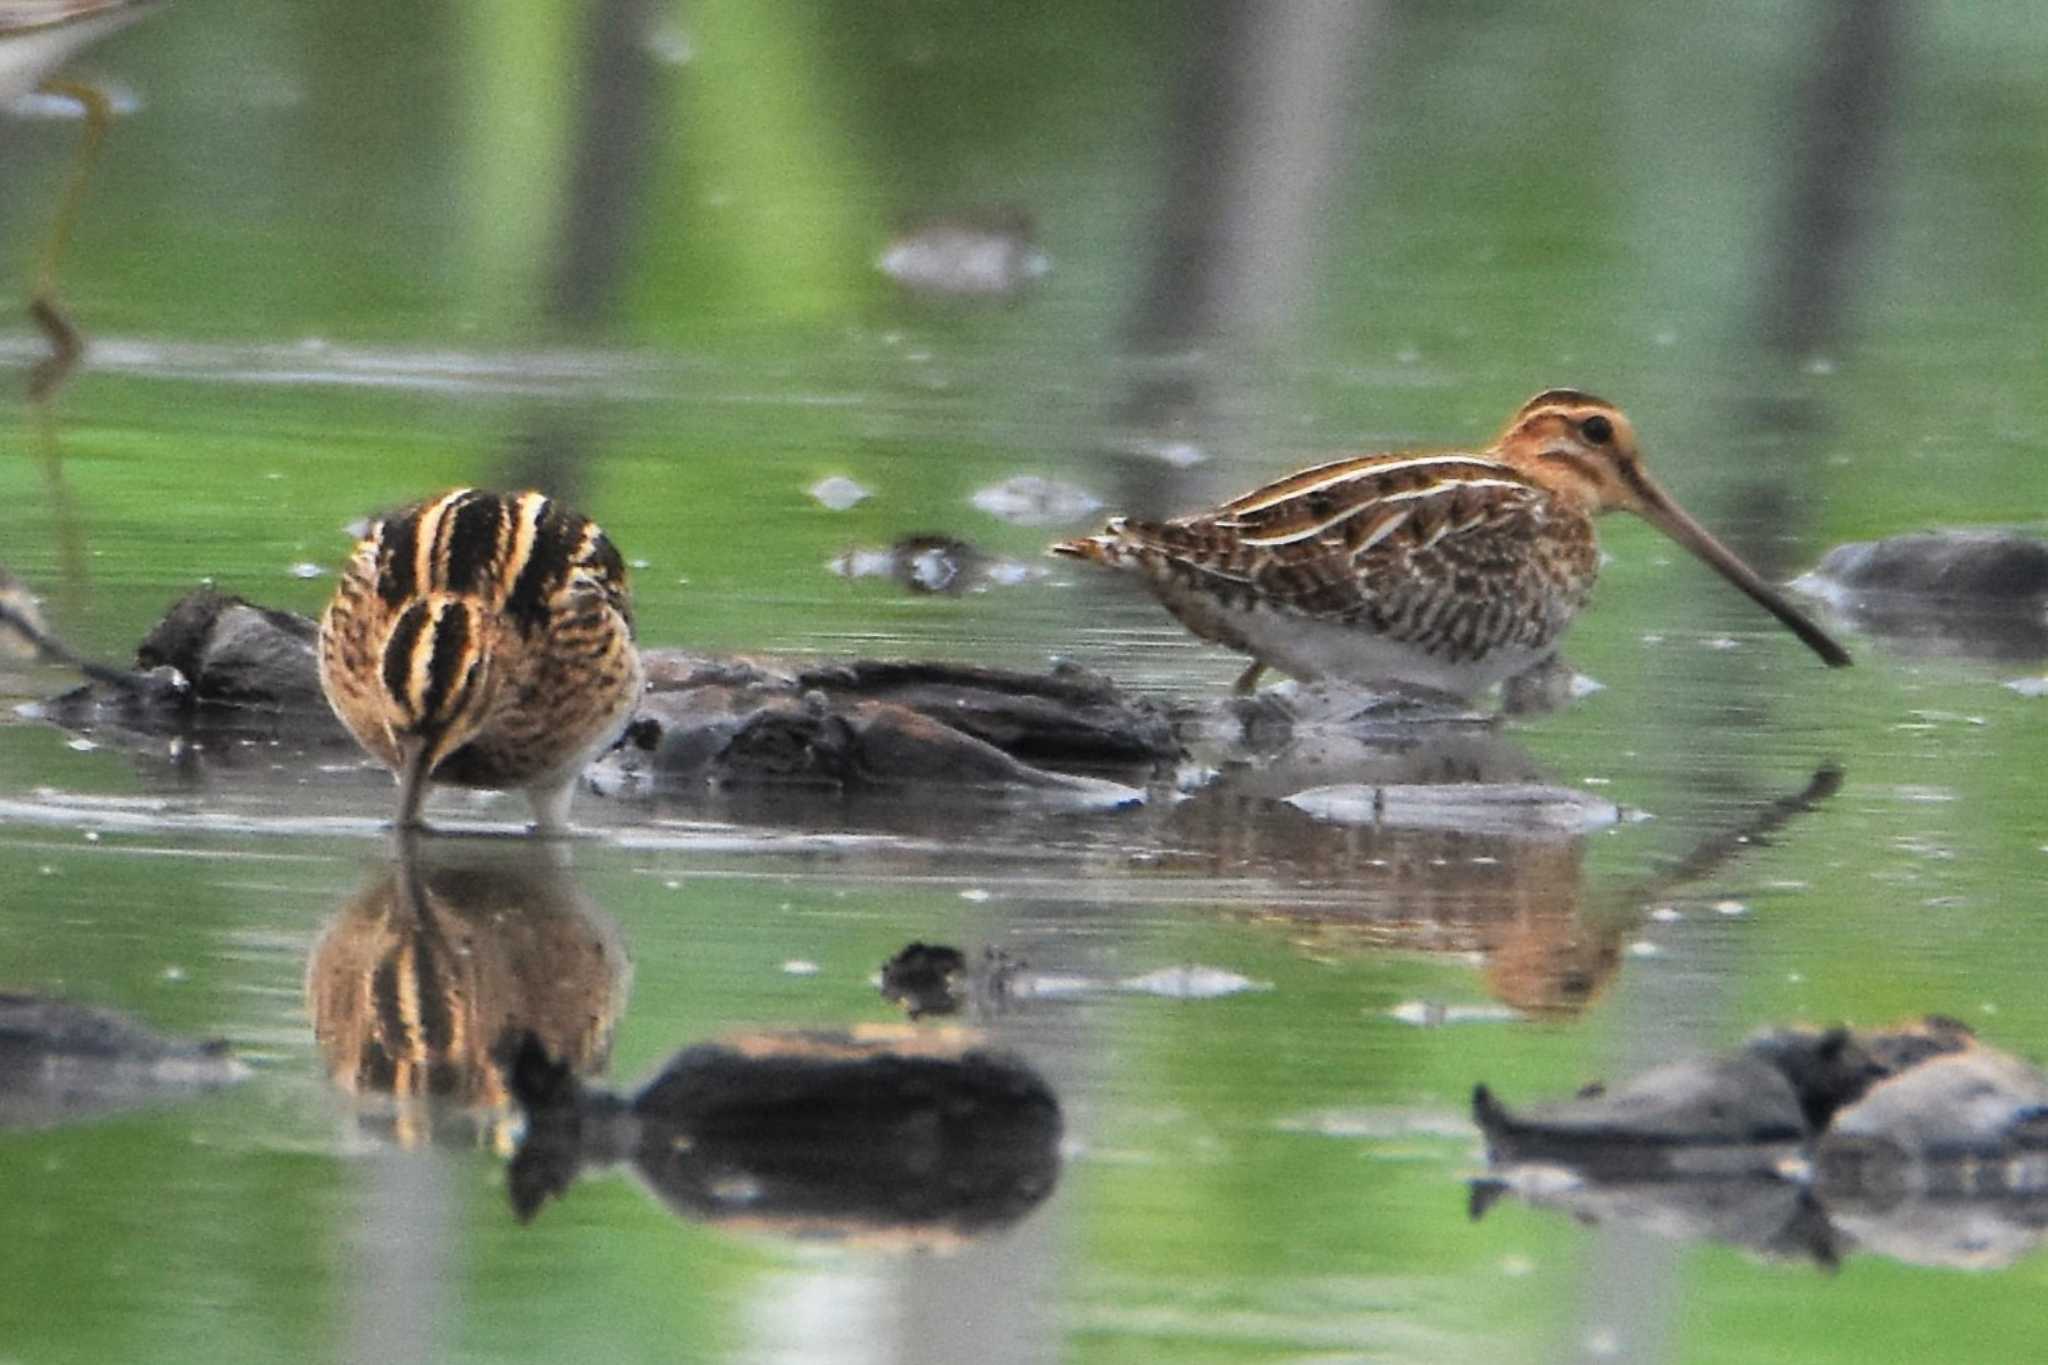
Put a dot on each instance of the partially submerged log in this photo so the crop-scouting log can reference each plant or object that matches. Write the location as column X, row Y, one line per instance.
column 867, row 724
column 216, row 660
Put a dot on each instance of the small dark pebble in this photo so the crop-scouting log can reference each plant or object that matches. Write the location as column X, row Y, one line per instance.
column 925, row 978
column 934, row 979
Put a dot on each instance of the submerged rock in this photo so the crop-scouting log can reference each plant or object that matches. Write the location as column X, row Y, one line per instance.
column 1507, row 808
column 837, row 492
column 892, row 1135
column 1032, row 500
column 61, row 1062
column 985, row 254
column 927, row 562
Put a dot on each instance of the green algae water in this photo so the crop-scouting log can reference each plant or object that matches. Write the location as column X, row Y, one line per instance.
column 337, row 256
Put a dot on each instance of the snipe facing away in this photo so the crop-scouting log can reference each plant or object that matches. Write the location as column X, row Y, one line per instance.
column 482, row 640
column 1447, row 571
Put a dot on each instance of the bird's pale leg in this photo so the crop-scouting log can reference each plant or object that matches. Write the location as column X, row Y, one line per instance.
column 413, row 782
column 551, row 806
column 1248, row 680
column 66, row 345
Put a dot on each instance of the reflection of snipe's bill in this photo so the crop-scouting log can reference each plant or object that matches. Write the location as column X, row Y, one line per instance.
column 416, row 976
column 890, row 1136
column 1456, row 850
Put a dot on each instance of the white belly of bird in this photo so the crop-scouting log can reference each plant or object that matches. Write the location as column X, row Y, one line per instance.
column 1325, row 649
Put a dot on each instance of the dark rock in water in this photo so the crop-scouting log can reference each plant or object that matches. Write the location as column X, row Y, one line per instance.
column 925, row 978
column 1986, row 569
column 1952, row 1126
column 1916, row 1142
column 866, row 725
column 218, row 661
column 932, row 978
column 61, row 1062
column 1945, row 1164
column 1830, row 1069
column 900, row 1136
column 1963, row 594
column 213, row 662
column 236, row 654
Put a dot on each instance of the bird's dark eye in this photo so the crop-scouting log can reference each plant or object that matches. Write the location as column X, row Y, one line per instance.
column 1597, row 429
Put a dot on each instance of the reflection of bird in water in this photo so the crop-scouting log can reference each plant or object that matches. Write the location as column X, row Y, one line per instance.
column 1440, row 871
column 36, row 37
column 896, row 1137
column 1445, row 571
column 425, row 967
column 485, row 640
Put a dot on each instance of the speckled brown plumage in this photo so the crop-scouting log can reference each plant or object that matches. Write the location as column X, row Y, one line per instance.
column 484, row 640
column 1443, row 570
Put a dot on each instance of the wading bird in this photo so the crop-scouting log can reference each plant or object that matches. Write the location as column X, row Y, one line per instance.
column 1445, row 571
column 483, row 640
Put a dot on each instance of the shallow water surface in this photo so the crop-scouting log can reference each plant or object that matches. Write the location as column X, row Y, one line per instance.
column 313, row 297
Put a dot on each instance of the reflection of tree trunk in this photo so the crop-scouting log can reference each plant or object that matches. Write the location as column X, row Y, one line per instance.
column 1829, row 173
column 611, row 154
column 1831, row 176
column 1832, row 173
column 1259, row 136
column 609, row 169
column 402, row 1245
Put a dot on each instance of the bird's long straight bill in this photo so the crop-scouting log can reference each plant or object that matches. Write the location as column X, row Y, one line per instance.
column 1660, row 511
